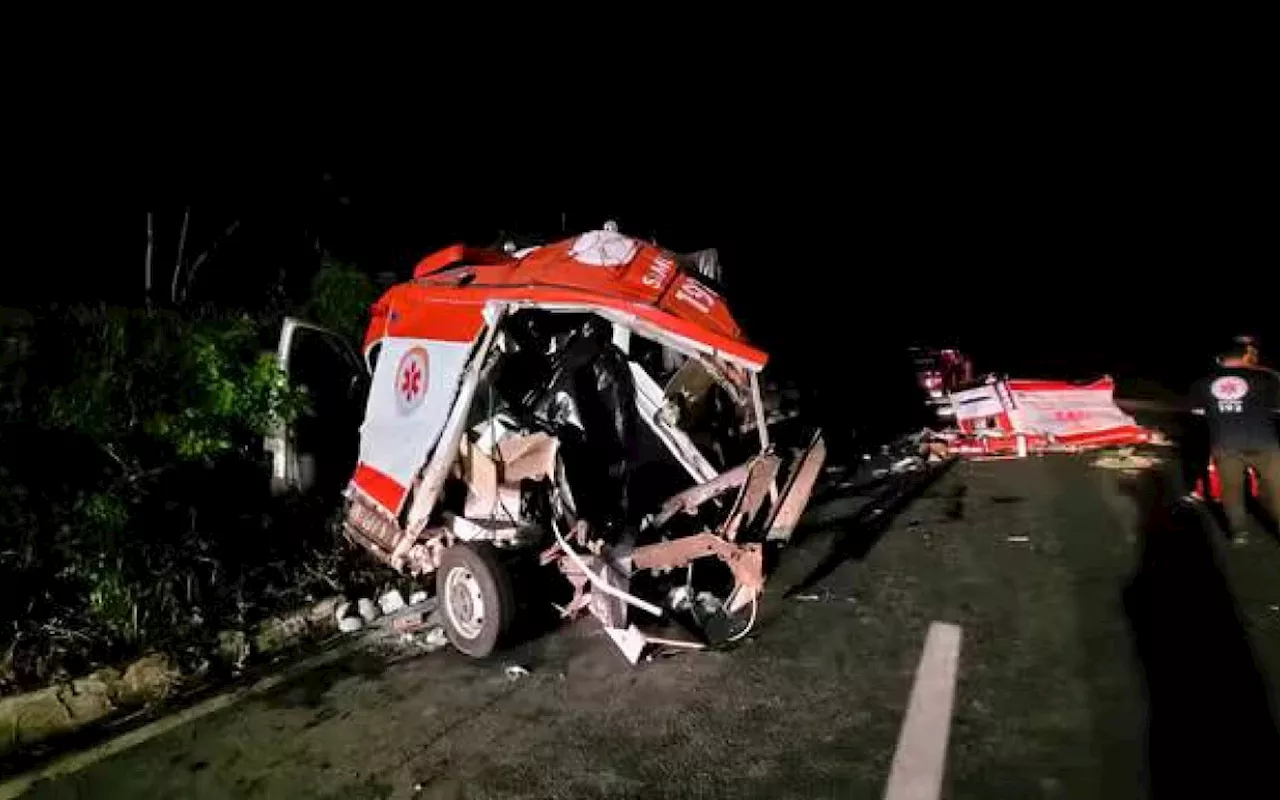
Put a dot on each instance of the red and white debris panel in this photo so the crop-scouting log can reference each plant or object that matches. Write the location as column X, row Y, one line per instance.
column 1018, row 417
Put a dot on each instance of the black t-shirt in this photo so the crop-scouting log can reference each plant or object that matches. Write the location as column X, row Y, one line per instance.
column 1239, row 404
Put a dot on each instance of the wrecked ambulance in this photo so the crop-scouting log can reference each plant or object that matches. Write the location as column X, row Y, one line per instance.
column 589, row 407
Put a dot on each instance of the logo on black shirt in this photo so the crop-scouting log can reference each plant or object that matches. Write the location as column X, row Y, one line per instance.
column 1230, row 391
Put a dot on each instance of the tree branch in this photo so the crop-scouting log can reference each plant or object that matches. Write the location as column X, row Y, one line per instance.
column 177, row 264
column 209, row 252
column 146, row 283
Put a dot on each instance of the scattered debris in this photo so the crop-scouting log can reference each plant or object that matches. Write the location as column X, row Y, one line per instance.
column 409, row 623
column 679, row 644
column 823, row 597
column 515, row 672
column 630, row 642
column 417, row 598
column 368, row 611
column 391, row 602
column 427, row 641
column 349, row 620
column 1125, row 460
column 436, row 637
column 908, row 464
column 1018, row 539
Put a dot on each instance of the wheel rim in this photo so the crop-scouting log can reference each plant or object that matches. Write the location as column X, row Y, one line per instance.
column 464, row 603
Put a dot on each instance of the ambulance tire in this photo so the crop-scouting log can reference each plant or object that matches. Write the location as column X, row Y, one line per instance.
column 476, row 598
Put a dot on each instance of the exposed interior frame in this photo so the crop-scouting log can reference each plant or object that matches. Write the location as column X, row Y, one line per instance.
column 649, row 398
column 638, row 325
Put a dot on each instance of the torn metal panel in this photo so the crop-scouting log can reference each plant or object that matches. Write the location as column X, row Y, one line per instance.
column 746, row 561
column 760, row 482
column 692, row 498
column 758, row 415
column 796, row 495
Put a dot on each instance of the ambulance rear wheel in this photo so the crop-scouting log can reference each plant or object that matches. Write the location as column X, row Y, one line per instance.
column 474, row 591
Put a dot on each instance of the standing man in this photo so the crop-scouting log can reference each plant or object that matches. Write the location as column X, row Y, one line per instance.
column 1239, row 401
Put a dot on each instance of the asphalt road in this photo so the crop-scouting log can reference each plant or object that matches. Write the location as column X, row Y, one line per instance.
column 1112, row 648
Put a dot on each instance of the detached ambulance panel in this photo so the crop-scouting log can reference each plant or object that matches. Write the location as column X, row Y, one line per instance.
column 1072, row 414
column 1044, row 414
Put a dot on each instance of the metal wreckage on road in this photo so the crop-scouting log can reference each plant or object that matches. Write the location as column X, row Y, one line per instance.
column 590, row 406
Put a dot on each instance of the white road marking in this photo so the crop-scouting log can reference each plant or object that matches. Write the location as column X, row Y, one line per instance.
column 921, row 756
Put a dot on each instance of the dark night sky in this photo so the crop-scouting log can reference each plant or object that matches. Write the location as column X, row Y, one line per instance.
column 1063, row 236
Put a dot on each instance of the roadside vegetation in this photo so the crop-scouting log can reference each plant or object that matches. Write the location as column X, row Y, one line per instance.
column 134, row 505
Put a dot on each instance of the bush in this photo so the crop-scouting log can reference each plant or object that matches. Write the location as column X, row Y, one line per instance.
column 340, row 299
column 134, row 512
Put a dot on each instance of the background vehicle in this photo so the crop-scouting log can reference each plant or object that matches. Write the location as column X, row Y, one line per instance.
column 939, row 373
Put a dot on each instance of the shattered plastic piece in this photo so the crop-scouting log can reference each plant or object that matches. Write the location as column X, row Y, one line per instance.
column 1018, row 539
column 391, row 602
column 427, row 641
column 417, row 598
column 808, row 598
column 436, row 638
column 368, row 611
column 350, row 624
column 410, row 623
column 341, row 612
column 630, row 642
column 515, row 672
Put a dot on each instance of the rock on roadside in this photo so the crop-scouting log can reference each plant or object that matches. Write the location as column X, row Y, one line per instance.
column 30, row 718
